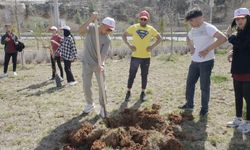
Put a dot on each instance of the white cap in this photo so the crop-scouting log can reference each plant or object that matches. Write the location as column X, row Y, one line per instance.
column 53, row 28
column 110, row 22
column 66, row 28
column 241, row 12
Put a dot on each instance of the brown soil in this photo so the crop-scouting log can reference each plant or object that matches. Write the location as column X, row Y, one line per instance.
column 98, row 145
column 68, row 147
column 130, row 130
column 171, row 144
column 148, row 119
column 78, row 136
column 176, row 119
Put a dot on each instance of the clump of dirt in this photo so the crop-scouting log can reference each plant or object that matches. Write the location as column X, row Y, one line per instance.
column 98, row 145
column 171, row 144
column 78, row 136
column 68, row 147
column 174, row 118
column 179, row 118
column 126, row 138
column 130, row 130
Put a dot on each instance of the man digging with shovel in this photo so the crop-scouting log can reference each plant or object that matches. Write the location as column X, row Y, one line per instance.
column 94, row 57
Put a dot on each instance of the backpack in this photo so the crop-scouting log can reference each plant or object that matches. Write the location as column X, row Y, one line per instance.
column 20, row 46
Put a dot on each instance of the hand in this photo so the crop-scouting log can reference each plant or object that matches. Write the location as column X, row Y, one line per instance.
column 101, row 68
column 230, row 56
column 7, row 39
column 203, row 53
column 229, row 31
column 94, row 16
column 150, row 48
column 192, row 50
column 55, row 42
column 132, row 47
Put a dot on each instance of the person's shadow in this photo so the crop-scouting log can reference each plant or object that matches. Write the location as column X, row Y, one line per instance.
column 194, row 133
column 135, row 106
column 36, row 86
column 239, row 141
column 56, row 138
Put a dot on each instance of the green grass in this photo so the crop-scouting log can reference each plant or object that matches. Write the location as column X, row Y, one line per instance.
column 168, row 57
column 221, row 52
column 219, row 79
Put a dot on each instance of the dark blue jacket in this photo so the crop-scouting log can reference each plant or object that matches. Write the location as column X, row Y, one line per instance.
column 241, row 53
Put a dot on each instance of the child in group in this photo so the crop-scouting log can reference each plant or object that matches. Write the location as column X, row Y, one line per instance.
column 54, row 54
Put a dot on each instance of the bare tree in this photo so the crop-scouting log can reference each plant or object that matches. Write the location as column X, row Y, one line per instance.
column 168, row 7
column 16, row 13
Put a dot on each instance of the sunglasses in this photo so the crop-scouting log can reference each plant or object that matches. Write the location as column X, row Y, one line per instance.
column 143, row 19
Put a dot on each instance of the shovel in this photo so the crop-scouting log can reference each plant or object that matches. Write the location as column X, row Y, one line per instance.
column 104, row 99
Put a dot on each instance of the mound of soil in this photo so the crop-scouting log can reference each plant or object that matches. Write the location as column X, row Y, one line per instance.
column 147, row 119
column 131, row 130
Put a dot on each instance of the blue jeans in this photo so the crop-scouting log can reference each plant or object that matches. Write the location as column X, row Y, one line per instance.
column 203, row 71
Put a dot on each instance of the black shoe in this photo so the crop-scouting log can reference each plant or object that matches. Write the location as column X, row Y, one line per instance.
column 128, row 96
column 186, row 107
column 203, row 113
column 143, row 96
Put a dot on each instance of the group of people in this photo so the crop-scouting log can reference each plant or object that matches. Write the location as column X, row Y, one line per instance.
column 202, row 40
column 63, row 48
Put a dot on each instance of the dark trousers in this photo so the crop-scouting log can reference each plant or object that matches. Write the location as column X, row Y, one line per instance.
column 67, row 68
column 203, row 71
column 242, row 90
column 7, row 59
column 144, row 64
column 53, row 65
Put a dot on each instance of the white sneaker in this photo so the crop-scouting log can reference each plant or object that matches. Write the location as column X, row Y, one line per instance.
column 72, row 83
column 102, row 113
column 235, row 122
column 88, row 108
column 14, row 73
column 245, row 127
column 4, row 75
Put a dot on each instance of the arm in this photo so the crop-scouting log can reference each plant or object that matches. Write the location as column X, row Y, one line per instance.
column 238, row 43
column 73, row 49
column 15, row 38
column 221, row 38
column 125, row 39
column 53, row 41
column 158, row 41
column 84, row 27
column 230, row 56
column 190, row 46
column 3, row 40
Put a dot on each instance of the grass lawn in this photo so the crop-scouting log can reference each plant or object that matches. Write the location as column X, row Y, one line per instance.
column 35, row 114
